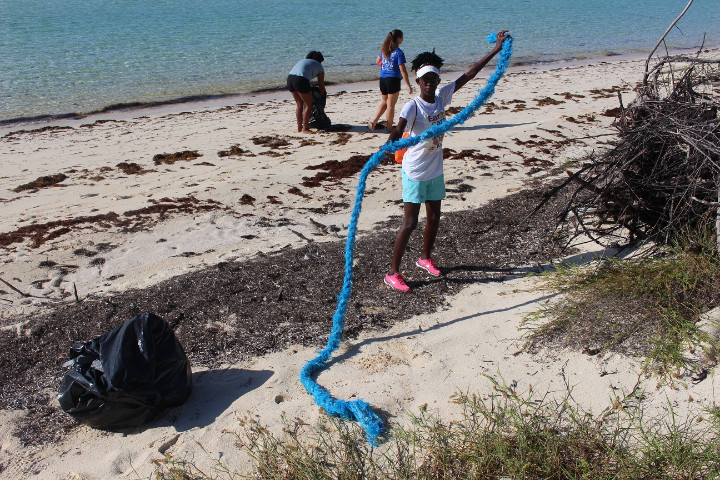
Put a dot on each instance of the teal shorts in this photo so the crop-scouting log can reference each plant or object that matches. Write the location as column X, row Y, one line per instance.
column 422, row 191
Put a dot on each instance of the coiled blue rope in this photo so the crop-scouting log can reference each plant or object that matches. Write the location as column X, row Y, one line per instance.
column 359, row 410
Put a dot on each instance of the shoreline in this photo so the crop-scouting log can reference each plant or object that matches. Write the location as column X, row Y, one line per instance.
column 132, row 216
column 125, row 110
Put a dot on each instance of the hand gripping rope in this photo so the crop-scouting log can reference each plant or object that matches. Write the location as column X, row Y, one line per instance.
column 359, row 410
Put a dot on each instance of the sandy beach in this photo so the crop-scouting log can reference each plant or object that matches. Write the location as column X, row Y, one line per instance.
column 138, row 197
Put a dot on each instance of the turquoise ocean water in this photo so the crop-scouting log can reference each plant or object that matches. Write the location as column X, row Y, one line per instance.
column 59, row 57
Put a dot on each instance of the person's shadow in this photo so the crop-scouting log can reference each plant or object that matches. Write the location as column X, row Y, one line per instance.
column 508, row 274
column 212, row 393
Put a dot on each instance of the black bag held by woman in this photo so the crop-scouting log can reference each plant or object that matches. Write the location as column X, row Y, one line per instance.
column 318, row 118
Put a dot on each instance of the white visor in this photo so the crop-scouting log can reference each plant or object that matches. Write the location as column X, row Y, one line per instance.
column 427, row 69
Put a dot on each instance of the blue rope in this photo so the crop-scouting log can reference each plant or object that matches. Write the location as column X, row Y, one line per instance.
column 359, row 410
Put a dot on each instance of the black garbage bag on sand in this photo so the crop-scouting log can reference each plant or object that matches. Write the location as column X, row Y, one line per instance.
column 126, row 377
column 318, row 118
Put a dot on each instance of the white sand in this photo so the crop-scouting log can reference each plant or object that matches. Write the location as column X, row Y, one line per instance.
column 423, row 361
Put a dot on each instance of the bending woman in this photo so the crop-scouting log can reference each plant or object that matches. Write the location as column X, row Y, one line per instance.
column 298, row 82
column 392, row 70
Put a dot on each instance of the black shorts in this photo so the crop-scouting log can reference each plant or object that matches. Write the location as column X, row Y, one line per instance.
column 296, row 83
column 389, row 85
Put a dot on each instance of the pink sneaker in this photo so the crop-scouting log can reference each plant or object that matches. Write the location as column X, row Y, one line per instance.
column 429, row 266
column 397, row 282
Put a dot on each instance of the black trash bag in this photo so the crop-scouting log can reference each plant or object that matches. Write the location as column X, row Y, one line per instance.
column 126, row 377
column 318, row 119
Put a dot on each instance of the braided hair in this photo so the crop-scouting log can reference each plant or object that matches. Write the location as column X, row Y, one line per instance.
column 426, row 58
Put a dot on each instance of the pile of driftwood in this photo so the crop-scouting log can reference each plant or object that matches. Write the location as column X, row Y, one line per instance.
column 662, row 176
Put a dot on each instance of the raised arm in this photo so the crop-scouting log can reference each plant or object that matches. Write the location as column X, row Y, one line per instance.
column 477, row 66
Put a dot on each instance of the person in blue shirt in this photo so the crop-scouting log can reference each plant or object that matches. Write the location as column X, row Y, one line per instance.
column 392, row 70
column 298, row 82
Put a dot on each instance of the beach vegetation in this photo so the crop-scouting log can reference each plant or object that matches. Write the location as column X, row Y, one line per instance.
column 649, row 306
column 504, row 435
column 655, row 193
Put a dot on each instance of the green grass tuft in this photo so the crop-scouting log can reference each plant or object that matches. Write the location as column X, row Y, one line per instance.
column 647, row 306
column 503, row 436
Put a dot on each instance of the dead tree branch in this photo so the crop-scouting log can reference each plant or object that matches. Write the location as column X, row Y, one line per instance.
column 662, row 177
column 647, row 62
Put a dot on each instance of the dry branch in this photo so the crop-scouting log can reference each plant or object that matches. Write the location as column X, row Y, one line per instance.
column 662, row 38
column 662, row 177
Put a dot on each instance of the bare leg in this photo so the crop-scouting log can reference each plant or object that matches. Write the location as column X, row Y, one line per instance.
column 432, row 210
column 381, row 109
column 298, row 110
column 308, row 101
column 410, row 221
column 390, row 114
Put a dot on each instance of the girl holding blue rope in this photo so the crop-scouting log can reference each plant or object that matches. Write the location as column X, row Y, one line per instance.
column 422, row 165
column 357, row 409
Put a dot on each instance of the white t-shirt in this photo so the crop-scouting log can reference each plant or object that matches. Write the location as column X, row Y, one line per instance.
column 424, row 161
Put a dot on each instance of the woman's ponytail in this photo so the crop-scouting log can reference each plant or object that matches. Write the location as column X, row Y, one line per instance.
column 392, row 41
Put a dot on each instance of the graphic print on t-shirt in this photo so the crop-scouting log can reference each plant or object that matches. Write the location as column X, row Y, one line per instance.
column 433, row 120
column 424, row 161
column 387, row 63
column 390, row 67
